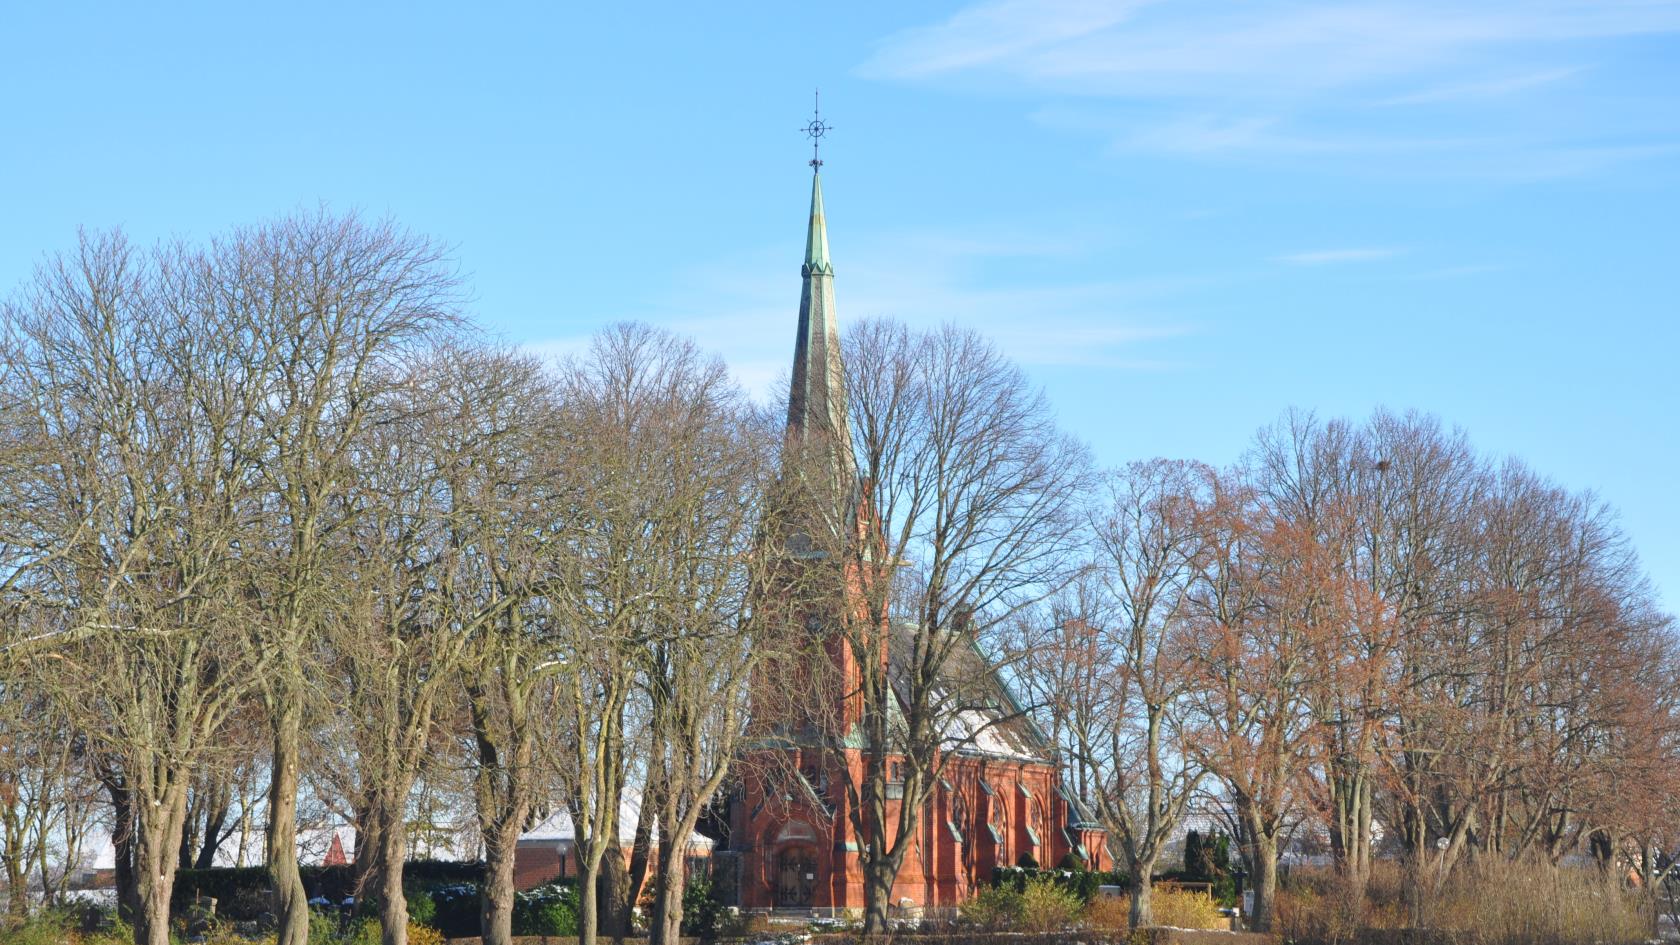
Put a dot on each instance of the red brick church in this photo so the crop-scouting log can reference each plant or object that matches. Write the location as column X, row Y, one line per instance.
column 1000, row 800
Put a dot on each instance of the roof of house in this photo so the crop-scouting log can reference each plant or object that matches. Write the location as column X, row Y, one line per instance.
column 982, row 716
column 558, row 827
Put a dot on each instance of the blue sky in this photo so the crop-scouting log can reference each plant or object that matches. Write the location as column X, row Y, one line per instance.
column 1184, row 216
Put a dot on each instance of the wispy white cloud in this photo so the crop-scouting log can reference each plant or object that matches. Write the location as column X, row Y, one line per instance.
column 1483, row 88
column 999, row 31
column 1277, row 77
column 1326, row 257
column 1460, row 272
column 744, row 306
column 1196, row 45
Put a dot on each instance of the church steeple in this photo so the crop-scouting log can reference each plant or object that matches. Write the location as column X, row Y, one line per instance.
column 817, row 401
column 816, row 240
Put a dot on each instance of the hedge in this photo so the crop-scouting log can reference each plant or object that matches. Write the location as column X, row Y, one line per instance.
column 1082, row 883
column 241, row 892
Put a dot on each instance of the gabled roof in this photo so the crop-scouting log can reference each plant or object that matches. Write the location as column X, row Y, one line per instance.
column 983, row 716
column 558, row 827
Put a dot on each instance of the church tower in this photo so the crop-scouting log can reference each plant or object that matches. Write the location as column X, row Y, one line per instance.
column 817, row 434
column 817, row 400
column 791, row 843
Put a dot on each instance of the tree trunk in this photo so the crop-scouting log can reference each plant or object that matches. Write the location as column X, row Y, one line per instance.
column 878, row 876
column 589, row 912
column 291, row 901
column 616, row 901
column 1143, row 888
column 122, row 844
column 156, row 855
column 393, row 905
column 365, row 865
column 151, row 926
column 17, row 882
column 17, row 908
column 495, row 913
column 1260, row 850
column 1263, row 880
column 668, row 904
column 220, row 806
column 641, row 855
column 1350, row 822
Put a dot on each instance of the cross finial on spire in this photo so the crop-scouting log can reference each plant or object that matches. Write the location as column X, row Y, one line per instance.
column 816, row 129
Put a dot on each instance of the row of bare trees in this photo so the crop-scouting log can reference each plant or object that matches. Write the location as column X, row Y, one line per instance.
column 1370, row 633
column 272, row 513
column 278, row 531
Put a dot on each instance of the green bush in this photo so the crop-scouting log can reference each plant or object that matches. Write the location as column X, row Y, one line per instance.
column 995, row 907
column 364, row 932
column 701, row 908
column 456, row 910
column 1046, row 907
column 241, row 892
column 1207, row 859
column 1081, row 883
column 422, row 908
column 50, row 927
column 546, row 910
column 324, row 927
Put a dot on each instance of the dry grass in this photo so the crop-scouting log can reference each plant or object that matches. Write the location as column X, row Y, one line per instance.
column 1488, row 902
column 1537, row 903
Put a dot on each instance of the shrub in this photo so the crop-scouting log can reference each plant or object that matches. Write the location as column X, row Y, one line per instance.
column 1506, row 903
column 994, row 907
column 1489, row 900
column 227, row 935
column 116, row 932
column 422, row 908
column 1082, row 883
column 423, row 935
column 546, row 910
column 324, row 927
column 1046, row 907
column 1109, row 913
column 1206, row 858
column 50, row 927
column 456, row 910
column 701, row 908
column 241, row 892
column 121, row 934
column 364, row 931
column 1181, row 908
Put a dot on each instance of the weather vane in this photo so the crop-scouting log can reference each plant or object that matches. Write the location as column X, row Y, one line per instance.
column 816, row 129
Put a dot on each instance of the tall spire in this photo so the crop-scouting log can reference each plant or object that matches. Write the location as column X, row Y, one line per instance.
column 816, row 239
column 817, row 400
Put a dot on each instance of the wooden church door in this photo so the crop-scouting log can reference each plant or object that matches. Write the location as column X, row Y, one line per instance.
column 796, row 877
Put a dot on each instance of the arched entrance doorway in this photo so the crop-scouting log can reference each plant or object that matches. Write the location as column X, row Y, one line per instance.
column 796, row 876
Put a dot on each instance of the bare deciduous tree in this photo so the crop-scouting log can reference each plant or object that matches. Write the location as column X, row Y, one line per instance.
column 138, row 434
column 953, row 509
column 1127, row 739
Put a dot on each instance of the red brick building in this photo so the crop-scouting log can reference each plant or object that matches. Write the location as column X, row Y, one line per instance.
column 548, row 851
column 1000, row 801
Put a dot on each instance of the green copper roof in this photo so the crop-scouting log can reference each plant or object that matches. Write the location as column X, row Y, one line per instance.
column 816, row 241
column 817, row 395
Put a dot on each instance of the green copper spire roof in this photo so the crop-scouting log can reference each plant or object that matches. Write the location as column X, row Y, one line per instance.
column 816, row 240
column 817, row 400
